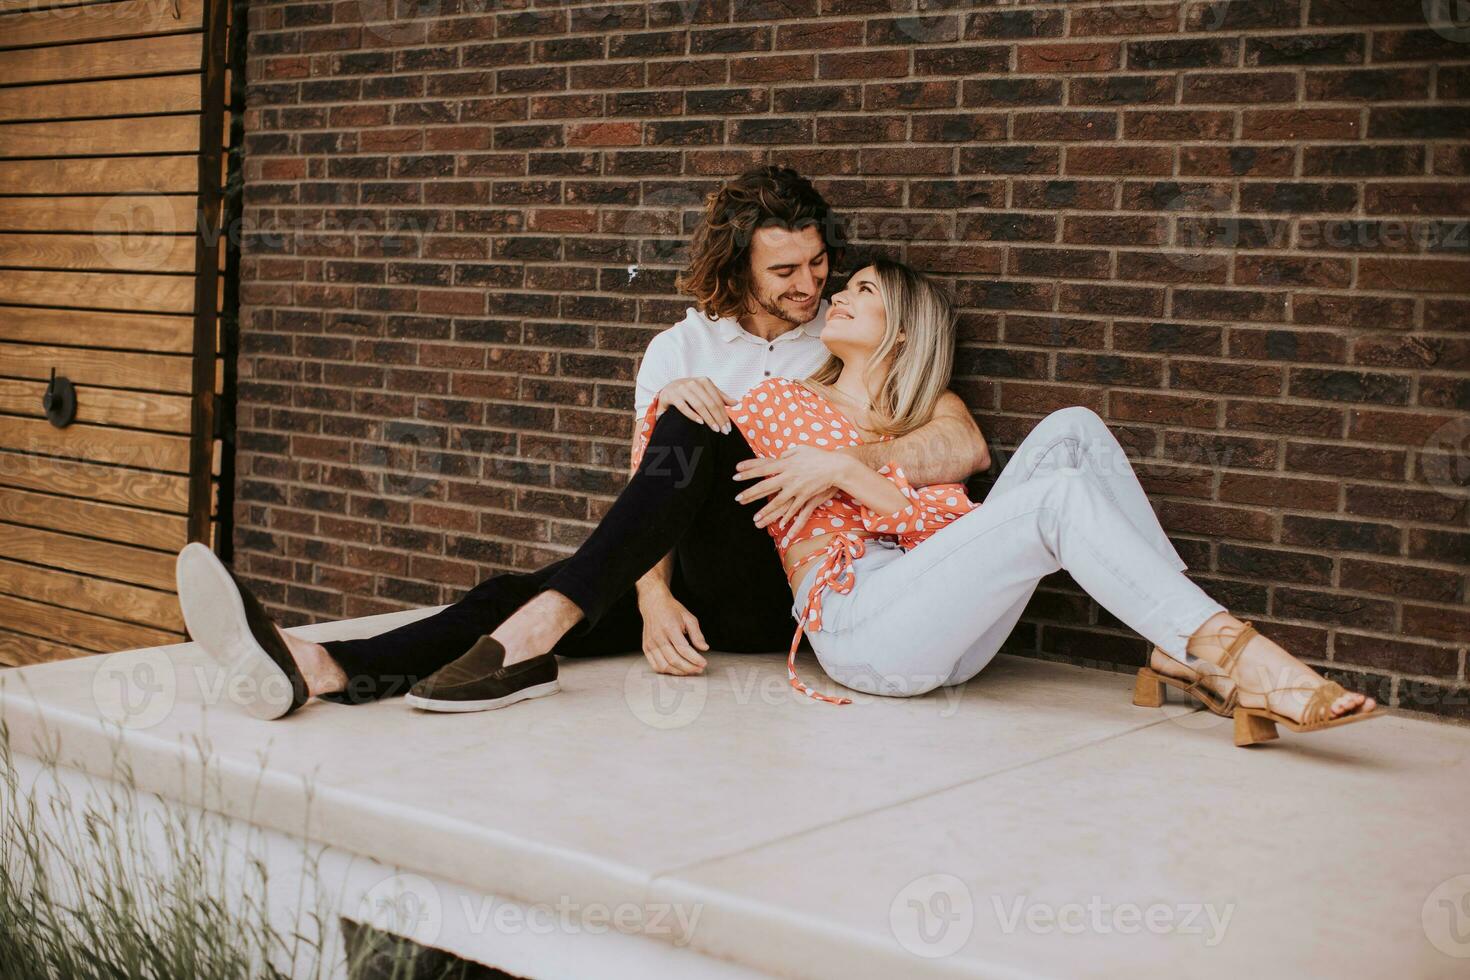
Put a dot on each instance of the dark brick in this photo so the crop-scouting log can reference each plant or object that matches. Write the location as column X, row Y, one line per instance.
column 1320, row 532
column 1349, row 386
column 1305, row 49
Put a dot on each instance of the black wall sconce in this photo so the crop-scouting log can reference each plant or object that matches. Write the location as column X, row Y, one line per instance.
column 60, row 401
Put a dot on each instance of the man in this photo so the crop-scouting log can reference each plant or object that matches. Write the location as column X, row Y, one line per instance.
column 682, row 562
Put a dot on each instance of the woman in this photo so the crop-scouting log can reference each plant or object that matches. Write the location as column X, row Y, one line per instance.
column 901, row 589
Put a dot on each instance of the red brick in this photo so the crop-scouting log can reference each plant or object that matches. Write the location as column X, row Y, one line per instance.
column 1124, row 160
column 1137, row 406
column 1415, row 275
column 605, row 134
column 1070, row 58
column 1125, row 19
column 1301, row 124
column 1198, row 124
column 1236, row 161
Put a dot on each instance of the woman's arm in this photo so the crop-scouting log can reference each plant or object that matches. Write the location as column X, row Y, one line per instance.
column 870, row 488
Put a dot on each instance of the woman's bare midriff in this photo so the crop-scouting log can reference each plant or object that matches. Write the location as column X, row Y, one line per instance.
column 810, row 546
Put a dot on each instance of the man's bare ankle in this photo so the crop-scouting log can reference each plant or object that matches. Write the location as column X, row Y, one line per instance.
column 323, row 675
column 556, row 610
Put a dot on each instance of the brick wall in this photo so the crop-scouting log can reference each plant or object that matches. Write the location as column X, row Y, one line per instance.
column 1235, row 230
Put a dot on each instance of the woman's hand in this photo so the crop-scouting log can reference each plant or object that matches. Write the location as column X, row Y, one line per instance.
column 798, row 482
column 670, row 634
column 699, row 399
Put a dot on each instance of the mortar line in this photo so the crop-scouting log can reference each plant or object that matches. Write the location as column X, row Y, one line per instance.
column 682, row 868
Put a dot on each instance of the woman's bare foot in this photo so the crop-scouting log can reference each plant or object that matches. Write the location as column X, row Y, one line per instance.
column 322, row 674
column 1208, row 675
column 1261, row 669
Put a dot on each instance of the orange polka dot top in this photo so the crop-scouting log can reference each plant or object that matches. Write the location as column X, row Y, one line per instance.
column 779, row 414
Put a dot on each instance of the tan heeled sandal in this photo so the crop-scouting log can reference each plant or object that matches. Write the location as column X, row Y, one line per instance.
column 1148, row 688
column 1258, row 724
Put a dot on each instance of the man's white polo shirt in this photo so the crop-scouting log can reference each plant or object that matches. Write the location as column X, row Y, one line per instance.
column 723, row 351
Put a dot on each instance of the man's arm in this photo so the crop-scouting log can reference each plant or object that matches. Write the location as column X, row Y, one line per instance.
column 671, row 637
column 946, row 449
column 672, row 640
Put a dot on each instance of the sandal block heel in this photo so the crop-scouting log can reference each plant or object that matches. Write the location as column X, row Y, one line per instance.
column 1251, row 729
column 1148, row 689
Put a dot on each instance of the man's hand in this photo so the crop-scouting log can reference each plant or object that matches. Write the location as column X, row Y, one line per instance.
column 699, row 399
column 798, row 482
column 670, row 634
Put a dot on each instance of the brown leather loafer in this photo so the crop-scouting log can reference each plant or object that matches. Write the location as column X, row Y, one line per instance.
column 479, row 681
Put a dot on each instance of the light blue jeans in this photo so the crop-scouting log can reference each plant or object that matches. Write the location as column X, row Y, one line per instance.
column 1067, row 499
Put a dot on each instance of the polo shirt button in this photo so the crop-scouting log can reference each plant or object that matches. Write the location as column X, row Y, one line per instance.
column 768, row 374
column 771, row 347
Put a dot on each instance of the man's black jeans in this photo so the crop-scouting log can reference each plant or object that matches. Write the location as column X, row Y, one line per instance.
column 680, row 499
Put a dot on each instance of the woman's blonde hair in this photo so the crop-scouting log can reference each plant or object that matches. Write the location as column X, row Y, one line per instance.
column 919, row 308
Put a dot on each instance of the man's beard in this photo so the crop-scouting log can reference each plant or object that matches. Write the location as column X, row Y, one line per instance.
column 773, row 307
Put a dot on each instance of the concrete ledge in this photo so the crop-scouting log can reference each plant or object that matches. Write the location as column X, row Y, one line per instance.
column 1005, row 828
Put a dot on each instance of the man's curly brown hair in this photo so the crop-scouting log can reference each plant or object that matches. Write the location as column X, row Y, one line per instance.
column 718, row 277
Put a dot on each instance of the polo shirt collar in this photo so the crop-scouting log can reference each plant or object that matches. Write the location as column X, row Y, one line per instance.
column 729, row 328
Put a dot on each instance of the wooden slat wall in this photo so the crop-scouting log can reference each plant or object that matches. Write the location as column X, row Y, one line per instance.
column 101, row 274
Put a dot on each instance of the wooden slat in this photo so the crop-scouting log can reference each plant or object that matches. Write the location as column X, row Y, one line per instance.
column 30, row 6
column 106, row 291
column 95, row 444
column 91, row 100
column 102, row 406
column 112, row 175
column 147, row 529
column 106, row 369
column 105, row 59
column 79, row 628
column 98, row 137
column 87, row 557
column 109, row 484
column 141, row 253
column 154, row 333
column 17, row 650
column 145, row 214
column 128, row 603
column 13, row 6
column 128, row 18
